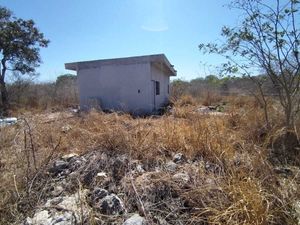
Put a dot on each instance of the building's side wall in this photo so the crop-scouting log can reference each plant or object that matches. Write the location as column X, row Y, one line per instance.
column 157, row 74
column 116, row 87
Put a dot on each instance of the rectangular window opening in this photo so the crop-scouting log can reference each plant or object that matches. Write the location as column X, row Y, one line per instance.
column 157, row 88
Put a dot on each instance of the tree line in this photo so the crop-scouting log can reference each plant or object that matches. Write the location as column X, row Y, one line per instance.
column 31, row 95
column 220, row 85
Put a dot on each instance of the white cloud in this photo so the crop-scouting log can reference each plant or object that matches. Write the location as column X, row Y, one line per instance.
column 151, row 14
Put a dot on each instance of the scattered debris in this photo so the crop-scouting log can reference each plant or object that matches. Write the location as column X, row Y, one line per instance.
column 74, row 110
column 102, row 175
column 8, row 121
column 203, row 109
column 179, row 158
column 66, row 128
column 212, row 110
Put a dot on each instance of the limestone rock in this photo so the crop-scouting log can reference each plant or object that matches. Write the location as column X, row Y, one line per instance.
column 98, row 194
column 171, row 166
column 297, row 210
column 58, row 166
column 65, row 210
column 107, row 203
column 111, row 205
column 181, row 177
column 140, row 169
column 57, row 190
column 136, row 219
column 69, row 156
column 44, row 217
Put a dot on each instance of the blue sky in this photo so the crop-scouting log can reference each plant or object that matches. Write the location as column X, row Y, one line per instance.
column 96, row 29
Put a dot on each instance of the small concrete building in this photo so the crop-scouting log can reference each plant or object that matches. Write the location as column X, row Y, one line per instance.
column 139, row 85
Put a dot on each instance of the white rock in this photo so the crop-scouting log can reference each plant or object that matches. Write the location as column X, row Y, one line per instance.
column 297, row 210
column 66, row 218
column 139, row 169
column 70, row 213
column 66, row 128
column 171, row 166
column 45, row 217
column 181, row 177
column 203, row 109
column 157, row 169
column 136, row 219
column 57, row 190
column 69, row 156
column 41, row 218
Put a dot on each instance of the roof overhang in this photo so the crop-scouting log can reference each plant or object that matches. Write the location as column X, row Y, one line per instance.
column 164, row 63
column 159, row 59
column 71, row 66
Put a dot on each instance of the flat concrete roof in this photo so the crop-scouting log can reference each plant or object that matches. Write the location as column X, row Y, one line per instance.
column 155, row 59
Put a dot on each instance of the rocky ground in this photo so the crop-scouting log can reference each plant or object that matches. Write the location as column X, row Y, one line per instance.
column 101, row 188
column 104, row 189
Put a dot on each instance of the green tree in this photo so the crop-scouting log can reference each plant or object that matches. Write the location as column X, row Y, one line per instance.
column 179, row 88
column 267, row 41
column 212, row 80
column 20, row 41
column 66, row 90
column 65, row 78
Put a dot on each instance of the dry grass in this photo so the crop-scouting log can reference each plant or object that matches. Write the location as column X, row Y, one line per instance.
column 242, row 190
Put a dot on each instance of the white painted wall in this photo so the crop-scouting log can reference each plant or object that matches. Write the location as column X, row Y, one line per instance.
column 115, row 86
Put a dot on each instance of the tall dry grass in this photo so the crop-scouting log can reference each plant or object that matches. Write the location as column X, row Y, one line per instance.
column 242, row 189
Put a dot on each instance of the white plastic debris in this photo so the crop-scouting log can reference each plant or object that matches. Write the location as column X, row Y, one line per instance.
column 102, row 175
column 74, row 110
column 8, row 121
